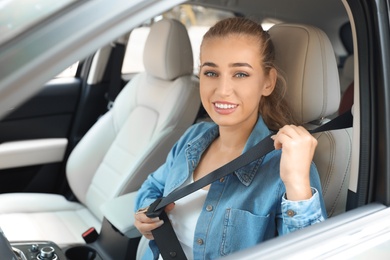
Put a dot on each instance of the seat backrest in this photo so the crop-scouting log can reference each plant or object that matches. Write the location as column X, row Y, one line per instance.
column 148, row 116
column 305, row 54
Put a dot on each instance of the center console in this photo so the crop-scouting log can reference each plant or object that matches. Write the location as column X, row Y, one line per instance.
column 43, row 250
column 118, row 239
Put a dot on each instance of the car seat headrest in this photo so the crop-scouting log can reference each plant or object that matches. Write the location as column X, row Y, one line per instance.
column 168, row 51
column 305, row 55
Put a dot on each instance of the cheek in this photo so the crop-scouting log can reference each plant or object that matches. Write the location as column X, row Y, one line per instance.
column 252, row 95
column 253, row 87
column 205, row 91
column 253, row 102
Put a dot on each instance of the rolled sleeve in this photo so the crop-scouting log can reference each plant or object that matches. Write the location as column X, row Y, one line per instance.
column 300, row 214
column 145, row 203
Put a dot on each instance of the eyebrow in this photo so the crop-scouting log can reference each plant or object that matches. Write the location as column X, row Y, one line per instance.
column 210, row 64
column 240, row 64
column 236, row 64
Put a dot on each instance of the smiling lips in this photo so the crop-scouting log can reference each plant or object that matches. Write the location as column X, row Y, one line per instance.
column 225, row 108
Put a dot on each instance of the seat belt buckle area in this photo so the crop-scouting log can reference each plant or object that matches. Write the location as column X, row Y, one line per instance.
column 164, row 236
column 152, row 212
column 90, row 236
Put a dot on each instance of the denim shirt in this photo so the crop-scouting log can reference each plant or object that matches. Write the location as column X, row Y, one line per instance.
column 241, row 209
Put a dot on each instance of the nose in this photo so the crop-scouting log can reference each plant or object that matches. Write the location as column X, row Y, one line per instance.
column 224, row 87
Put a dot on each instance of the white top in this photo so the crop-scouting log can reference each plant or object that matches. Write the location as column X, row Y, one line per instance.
column 184, row 217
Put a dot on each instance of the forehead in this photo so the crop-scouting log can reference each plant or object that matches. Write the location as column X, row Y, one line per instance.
column 231, row 49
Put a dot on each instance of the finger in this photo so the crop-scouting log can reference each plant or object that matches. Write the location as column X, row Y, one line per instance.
column 295, row 134
column 290, row 130
column 145, row 219
column 146, row 228
column 280, row 140
column 305, row 136
column 169, row 207
column 280, row 137
column 149, row 236
column 145, row 224
column 277, row 143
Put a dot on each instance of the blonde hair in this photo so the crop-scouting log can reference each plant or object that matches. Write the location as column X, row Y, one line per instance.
column 273, row 108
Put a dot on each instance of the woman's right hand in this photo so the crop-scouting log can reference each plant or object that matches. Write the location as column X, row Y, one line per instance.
column 145, row 225
column 298, row 148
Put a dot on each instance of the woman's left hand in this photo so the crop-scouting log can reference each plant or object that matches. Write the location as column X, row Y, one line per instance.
column 298, row 147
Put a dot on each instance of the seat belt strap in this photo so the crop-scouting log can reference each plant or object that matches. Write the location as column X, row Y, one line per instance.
column 165, row 236
column 167, row 243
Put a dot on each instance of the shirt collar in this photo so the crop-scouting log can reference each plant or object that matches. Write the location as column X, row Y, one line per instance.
column 247, row 173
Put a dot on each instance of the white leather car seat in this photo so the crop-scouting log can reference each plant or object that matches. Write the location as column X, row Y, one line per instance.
column 306, row 56
column 121, row 149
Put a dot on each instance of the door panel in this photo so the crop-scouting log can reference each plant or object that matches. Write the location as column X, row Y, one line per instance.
column 47, row 114
column 35, row 127
column 34, row 138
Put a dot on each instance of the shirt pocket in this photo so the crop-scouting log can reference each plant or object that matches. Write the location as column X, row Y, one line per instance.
column 242, row 229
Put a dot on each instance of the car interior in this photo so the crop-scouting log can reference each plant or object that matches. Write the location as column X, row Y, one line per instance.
column 163, row 102
column 83, row 158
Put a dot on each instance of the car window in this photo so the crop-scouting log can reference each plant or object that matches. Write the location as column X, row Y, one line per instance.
column 19, row 15
column 197, row 19
column 69, row 71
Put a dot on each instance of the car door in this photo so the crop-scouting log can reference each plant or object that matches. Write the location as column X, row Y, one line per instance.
column 34, row 138
column 37, row 136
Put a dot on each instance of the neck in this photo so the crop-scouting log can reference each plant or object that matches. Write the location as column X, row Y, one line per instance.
column 233, row 139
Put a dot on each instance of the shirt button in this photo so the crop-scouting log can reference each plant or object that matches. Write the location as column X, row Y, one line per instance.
column 199, row 241
column 209, row 208
column 222, row 179
column 290, row 213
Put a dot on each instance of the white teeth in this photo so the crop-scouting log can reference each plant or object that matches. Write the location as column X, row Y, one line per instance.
column 225, row 106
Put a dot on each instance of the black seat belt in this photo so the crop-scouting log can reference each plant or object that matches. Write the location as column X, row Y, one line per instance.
column 165, row 236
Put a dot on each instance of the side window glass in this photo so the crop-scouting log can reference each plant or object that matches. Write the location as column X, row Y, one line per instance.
column 69, row 72
column 197, row 20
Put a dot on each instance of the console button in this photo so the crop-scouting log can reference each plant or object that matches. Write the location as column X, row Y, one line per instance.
column 47, row 253
column 34, row 248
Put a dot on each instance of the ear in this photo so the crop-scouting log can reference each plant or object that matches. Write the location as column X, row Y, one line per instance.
column 270, row 83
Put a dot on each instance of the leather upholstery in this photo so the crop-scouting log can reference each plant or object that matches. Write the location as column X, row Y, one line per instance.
column 166, row 57
column 121, row 149
column 306, row 56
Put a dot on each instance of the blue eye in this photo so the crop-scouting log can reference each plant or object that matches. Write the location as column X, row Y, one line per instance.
column 241, row 75
column 210, row 74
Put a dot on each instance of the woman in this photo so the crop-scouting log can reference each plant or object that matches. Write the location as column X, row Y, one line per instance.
column 242, row 92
